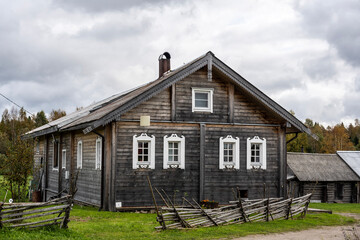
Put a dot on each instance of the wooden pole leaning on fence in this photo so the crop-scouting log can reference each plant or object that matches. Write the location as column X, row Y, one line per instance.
column 160, row 217
column 241, row 208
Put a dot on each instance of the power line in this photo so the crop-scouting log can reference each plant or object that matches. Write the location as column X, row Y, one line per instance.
column 15, row 103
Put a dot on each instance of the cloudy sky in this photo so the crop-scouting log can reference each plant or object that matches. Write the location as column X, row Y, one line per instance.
column 69, row 53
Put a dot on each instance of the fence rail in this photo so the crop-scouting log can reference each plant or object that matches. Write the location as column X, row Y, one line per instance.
column 32, row 215
column 262, row 210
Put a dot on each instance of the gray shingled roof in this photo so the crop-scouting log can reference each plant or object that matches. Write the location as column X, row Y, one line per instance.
column 103, row 112
column 352, row 158
column 320, row 167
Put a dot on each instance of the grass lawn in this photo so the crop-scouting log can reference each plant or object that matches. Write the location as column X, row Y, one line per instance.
column 338, row 207
column 89, row 223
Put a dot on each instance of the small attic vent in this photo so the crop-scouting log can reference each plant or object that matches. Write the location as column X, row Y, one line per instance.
column 164, row 63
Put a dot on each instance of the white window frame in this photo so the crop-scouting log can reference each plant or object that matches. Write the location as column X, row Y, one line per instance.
column 210, row 93
column 63, row 158
column 98, row 153
column 79, row 154
column 151, row 154
column 262, row 143
column 181, row 152
column 236, row 152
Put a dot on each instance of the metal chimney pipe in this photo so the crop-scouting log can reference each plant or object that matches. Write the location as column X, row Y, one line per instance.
column 164, row 63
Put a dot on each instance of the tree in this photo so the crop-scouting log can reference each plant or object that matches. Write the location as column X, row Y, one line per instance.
column 16, row 155
column 40, row 119
column 17, row 168
column 56, row 114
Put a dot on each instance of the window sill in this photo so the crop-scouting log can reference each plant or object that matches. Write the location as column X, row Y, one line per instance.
column 55, row 169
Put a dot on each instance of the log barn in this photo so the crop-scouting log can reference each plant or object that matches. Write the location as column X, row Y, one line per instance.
column 197, row 131
column 326, row 176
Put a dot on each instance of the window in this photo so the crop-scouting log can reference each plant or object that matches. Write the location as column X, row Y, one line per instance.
column 55, row 155
column 79, row 154
column 174, row 152
column 229, row 149
column 202, row 99
column 143, row 151
column 63, row 157
column 98, row 153
column 256, row 153
column 339, row 191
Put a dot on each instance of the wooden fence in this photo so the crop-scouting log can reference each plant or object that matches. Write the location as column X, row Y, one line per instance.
column 32, row 215
column 236, row 212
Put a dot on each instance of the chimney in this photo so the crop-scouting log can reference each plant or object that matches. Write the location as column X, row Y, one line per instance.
column 164, row 63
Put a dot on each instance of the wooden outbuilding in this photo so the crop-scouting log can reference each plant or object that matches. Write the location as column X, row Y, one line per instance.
column 199, row 130
column 326, row 176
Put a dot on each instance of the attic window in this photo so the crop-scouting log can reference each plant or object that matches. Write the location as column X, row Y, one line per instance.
column 202, row 99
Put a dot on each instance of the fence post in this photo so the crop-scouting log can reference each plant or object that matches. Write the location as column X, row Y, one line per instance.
column 1, row 206
column 64, row 224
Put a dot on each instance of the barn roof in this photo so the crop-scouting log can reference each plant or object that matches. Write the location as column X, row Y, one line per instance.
column 352, row 159
column 110, row 109
column 314, row 167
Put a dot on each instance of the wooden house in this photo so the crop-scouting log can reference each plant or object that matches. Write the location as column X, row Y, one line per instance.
column 199, row 130
column 327, row 176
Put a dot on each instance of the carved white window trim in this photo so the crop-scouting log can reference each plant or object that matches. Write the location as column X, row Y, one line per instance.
column 151, row 154
column 63, row 158
column 262, row 144
column 209, row 92
column 98, row 153
column 79, row 154
column 181, row 152
column 236, row 152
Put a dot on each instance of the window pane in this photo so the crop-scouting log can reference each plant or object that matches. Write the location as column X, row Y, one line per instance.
column 201, row 96
column 145, row 158
column 175, row 151
column 146, row 151
column 170, row 158
column 176, row 158
column 171, row 144
column 201, row 103
column 139, row 158
column 171, row 151
column 146, row 144
column 230, row 159
column 176, row 145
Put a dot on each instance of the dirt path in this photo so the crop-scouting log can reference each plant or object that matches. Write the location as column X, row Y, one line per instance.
column 351, row 232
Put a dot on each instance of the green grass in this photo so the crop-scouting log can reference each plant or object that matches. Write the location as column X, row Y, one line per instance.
column 89, row 223
column 338, row 207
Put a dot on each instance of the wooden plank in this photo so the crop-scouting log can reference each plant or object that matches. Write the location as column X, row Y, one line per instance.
column 34, row 223
column 32, row 216
column 231, row 102
column 107, row 165
column 173, row 102
column 113, row 167
column 202, row 161
column 46, row 177
column 35, row 211
column 59, row 156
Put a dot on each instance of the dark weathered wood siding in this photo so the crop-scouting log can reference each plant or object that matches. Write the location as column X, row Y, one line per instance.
column 157, row 107
column 131, row 185
column 326, row 191
column 218, row 182
column 89, row 179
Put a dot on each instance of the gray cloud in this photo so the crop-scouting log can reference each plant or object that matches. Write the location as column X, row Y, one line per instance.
column 108, row 5
column 321, row 68
column 338, row 22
